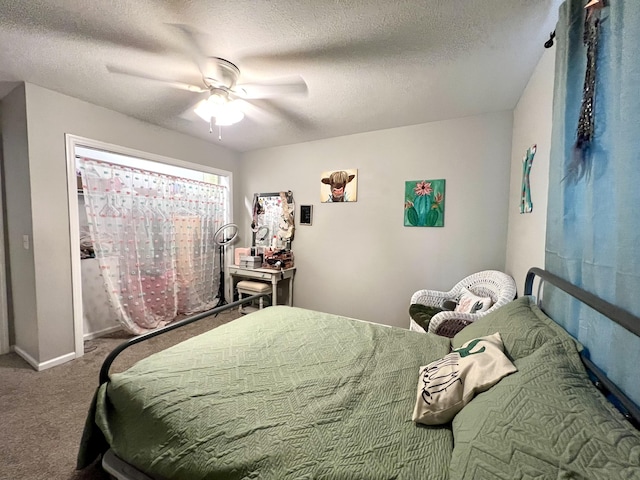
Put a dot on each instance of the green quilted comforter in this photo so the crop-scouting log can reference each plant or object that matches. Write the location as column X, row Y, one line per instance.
column 283, row 393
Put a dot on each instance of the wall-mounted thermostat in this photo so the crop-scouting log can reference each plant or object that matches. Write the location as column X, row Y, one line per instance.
column 306, row 214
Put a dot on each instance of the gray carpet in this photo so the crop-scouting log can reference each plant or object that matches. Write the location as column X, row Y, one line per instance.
column 43, row 413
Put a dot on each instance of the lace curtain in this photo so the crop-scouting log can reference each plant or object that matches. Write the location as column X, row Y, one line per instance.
column 153, row 237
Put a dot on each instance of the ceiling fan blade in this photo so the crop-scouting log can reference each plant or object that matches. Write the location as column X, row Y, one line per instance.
column 207, row 65
column 277, row 113
column 258, row 113
column 368, row 47
column 379, row 46
column 146, row 76
column 287, row 86
column 190, row 114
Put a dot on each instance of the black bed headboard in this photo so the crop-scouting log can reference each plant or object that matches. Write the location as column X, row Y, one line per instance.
column 614, row 313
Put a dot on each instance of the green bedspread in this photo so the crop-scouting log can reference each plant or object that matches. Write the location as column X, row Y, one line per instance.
column 283, row 393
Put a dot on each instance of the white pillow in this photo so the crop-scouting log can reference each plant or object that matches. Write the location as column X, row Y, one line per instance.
column 448, row 384
column 471, row 303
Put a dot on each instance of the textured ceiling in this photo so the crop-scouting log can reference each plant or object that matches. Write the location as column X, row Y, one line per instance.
column 368, row 64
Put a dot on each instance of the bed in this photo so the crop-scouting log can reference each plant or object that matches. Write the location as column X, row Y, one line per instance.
column 291, row 393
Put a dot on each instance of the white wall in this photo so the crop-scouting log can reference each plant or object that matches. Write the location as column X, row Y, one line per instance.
column 50, row 116
column 18, row 220
column 531, row 125
column 357, row 259
column 4, row 310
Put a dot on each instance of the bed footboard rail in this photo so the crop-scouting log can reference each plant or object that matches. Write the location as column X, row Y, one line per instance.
column 108, row 361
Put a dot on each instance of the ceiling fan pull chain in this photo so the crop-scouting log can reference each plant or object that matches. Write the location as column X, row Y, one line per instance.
column 219, row 128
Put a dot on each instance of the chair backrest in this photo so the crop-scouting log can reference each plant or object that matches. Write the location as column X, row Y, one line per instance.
column 488, row 283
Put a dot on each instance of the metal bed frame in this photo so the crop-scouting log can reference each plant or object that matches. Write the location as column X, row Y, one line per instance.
column 623, row 318
column 123, row 471
column 111, row 463
column 106, row 365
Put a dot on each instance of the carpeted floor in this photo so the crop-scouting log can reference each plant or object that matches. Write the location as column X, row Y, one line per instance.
column 42, row 413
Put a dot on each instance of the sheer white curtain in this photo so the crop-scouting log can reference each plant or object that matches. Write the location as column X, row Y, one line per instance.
column 153, row 237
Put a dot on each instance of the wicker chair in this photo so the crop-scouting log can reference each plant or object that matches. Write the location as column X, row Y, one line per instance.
column 489, row 283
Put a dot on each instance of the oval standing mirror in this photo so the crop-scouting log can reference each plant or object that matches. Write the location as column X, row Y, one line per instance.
column 262, row 236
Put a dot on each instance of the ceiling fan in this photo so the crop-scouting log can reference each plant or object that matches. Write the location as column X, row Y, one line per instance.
column 226, row 100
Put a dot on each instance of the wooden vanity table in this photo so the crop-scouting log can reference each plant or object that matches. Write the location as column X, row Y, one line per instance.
column 267, row 275
column 272, row 226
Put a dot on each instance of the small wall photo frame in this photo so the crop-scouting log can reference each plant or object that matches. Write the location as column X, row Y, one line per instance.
column 339, row 186
column 306, row 214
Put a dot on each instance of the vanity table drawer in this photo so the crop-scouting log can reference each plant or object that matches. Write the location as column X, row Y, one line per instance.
column 252, row 273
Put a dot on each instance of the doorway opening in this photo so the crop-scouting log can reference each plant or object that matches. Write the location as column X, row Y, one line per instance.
column 118, row 186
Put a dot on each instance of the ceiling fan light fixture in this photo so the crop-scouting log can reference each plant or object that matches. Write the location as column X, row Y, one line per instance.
column 203, row 111
column 219, row 107
column 228, row 115
column 217, row 99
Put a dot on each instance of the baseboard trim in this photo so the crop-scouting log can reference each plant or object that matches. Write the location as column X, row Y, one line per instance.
column 39, row 366
column 26, row 357
column 100, row 333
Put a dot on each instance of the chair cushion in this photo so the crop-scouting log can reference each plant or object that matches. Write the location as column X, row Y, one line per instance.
column 422, row 314
column 258, row 287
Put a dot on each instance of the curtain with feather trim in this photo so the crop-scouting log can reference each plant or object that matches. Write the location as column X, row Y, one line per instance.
column 593, row 226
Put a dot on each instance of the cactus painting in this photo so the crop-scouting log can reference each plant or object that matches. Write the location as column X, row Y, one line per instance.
column 424, row 203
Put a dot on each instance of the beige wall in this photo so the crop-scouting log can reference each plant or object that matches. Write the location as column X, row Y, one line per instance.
column 531, row 125
column 50, row 116
column 357, row 259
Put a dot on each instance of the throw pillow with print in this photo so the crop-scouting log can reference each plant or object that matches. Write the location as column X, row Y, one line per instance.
column 471, row 303
column 447, row 385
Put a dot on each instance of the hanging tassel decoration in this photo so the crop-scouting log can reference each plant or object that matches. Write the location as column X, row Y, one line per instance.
column 579, row 166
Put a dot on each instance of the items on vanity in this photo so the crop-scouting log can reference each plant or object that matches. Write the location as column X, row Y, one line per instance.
column 250, row 261
column 278, row 259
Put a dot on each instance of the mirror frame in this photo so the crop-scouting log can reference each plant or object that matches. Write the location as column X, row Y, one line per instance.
column 256, row 230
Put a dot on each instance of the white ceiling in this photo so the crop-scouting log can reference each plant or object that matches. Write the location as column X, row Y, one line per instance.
column 368, row 64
